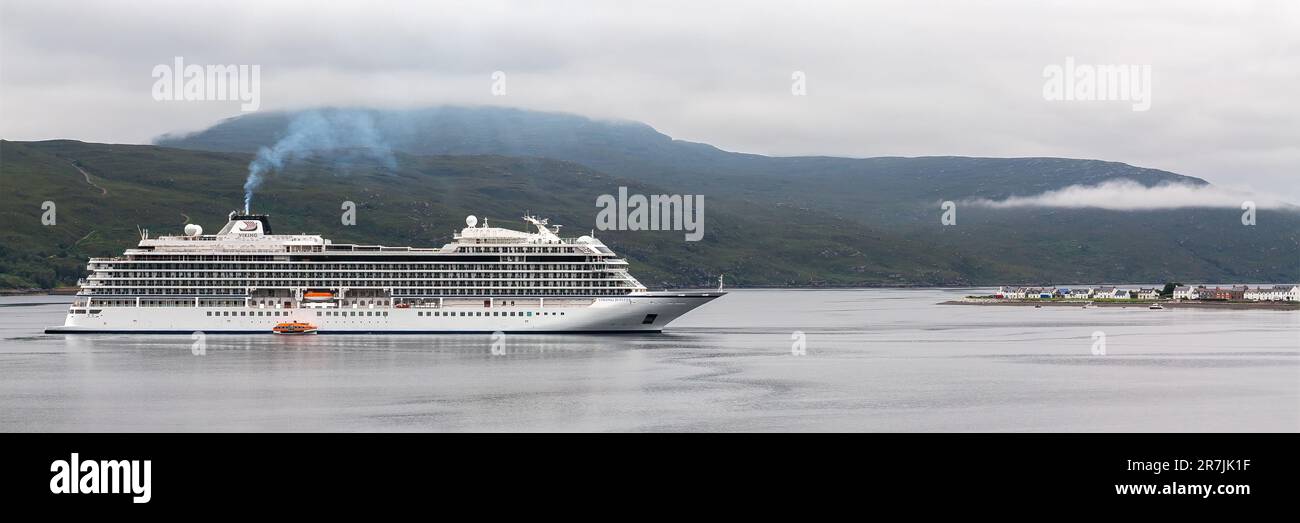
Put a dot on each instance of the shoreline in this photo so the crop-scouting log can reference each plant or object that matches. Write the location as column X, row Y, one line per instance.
column 1185, row 304
column 61, row 291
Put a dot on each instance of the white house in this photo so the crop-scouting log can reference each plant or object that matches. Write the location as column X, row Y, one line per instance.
column 1081, row 292
column 1148, row 294
column 1104, row 293
column 1123, row 294
column 1185, row 292
column 1274, row 293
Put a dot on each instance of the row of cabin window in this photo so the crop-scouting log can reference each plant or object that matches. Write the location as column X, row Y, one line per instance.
column 252, row 313
column 502, row 265
column 492, row 313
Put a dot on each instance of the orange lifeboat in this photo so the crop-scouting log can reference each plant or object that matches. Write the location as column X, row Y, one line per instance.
column 318, row 296
column 294, row 327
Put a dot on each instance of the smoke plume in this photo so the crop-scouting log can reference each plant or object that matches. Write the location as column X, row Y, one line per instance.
column 344, row 134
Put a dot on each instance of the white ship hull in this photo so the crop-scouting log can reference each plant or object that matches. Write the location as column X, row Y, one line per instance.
column 648, row 312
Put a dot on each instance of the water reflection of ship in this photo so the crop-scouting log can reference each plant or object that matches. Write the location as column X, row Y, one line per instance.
column 436, row 346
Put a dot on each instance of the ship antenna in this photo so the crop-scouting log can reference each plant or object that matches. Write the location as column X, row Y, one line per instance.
column 719, row 281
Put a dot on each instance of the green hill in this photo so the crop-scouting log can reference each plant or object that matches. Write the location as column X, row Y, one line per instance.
column 802, row 221
column 420, row 202
column 893, row 197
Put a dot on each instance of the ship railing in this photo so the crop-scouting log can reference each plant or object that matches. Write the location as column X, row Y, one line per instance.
column 520, row 241
column 181, row 237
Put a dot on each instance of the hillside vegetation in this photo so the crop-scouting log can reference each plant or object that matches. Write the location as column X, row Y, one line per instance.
column 798, row 221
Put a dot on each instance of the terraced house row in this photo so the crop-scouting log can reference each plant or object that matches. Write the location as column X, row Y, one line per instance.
column 1289, row 292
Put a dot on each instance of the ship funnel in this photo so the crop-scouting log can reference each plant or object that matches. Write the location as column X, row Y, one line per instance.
column 246, row 224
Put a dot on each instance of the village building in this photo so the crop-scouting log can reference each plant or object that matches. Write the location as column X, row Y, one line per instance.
column 1220, row 293
column 1290, row 292
column 1010, row 293
column 1274, row 293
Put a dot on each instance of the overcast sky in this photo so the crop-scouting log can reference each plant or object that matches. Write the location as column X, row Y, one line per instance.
column 906, row 78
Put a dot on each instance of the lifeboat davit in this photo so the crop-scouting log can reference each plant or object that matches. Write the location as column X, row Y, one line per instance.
column 294, row 327
column 318, row 296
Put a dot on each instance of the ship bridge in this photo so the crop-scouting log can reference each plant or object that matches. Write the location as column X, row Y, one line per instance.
column 242, row 232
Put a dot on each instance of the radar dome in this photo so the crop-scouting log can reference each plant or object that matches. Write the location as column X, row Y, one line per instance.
column 471, row 220
column 584, row 239
column 193, row 229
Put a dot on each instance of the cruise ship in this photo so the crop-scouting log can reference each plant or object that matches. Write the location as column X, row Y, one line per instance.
column 246, row 279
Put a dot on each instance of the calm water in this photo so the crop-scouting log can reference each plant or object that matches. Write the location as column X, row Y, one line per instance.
column 877, row 360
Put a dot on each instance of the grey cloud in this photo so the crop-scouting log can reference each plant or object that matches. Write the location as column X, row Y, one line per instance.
column 1127, row 195
column 884, row 78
